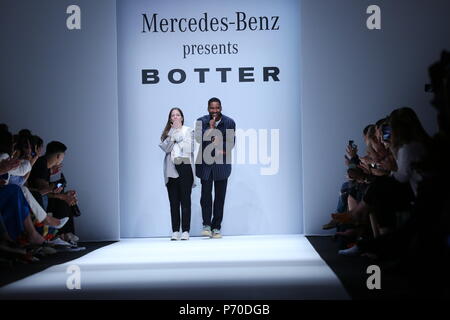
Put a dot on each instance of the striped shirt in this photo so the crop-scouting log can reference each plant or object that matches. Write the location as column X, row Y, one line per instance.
column 215, row 171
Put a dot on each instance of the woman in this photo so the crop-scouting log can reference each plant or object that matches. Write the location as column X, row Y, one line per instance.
column 177, row 141
column 29, row 147
column 409, row 144
column 14, row 208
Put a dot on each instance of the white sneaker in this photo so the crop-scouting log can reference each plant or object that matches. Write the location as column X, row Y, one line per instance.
column 206, row 231
column 216, row 234
column 185, row 235
column 59, row 242
column 72, row 237
column 62, row 222
column 175, row 236
column 350, row 252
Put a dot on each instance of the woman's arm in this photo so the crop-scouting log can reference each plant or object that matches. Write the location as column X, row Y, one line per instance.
column 407, row 156
column 22, row 169
column 168, row 143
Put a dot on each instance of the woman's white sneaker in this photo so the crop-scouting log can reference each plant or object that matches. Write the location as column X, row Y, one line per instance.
column 175, row 236
column 185, row 235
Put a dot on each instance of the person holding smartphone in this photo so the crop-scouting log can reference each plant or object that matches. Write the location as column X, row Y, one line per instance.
column 177, row 142
column 28, row 148
column 52, row 198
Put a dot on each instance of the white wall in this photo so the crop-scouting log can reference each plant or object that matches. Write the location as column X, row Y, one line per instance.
column 62, row 85
column 352, row 77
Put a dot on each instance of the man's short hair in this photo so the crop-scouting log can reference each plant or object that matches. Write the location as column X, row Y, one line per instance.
column 55, row 147
column 214, row 99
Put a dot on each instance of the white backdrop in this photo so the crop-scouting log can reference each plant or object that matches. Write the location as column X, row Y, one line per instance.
column 350, row 76
column 255, row 203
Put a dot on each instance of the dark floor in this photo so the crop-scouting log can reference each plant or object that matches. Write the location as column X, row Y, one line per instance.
column 352, row 271
column 18, row 270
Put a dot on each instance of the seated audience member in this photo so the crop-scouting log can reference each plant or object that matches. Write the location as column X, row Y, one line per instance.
column 29, row 147
column 409, row 143
column 377, row 154
column 388, row 195
column 354, row 188
column 14, row 209
column 429, row 256
column 6, row 244
column 53, row 198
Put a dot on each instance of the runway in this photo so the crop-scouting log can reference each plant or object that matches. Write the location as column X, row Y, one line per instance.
column 234, row 267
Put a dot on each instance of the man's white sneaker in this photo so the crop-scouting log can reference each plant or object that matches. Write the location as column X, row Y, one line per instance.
column 216, row 234
column 61, row 224
column 206, row 231
column 175, row 235
column 185, row 235
column 72, row 237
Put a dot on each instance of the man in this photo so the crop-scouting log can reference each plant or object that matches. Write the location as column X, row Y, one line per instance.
column 51, row 195
column 216, row 133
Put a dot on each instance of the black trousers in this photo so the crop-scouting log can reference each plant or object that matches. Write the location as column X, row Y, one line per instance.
column 60, row 210
column 179, row 190
column 220, row 189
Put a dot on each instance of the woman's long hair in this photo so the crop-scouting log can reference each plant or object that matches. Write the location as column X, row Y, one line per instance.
column 169, row 123
column 6, row 140
column 22, row 143
column 406, row 128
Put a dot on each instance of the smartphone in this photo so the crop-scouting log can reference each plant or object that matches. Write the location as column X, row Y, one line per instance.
column 352, row 144
column 387, row 132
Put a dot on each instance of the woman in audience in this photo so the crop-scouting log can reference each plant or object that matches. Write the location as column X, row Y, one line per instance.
column 177, row 142
column 409, row 144
column 14, row 208
column 388, row 195
column 29, row 147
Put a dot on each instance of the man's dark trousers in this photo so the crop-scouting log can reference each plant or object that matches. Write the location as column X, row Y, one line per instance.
column 220, row 189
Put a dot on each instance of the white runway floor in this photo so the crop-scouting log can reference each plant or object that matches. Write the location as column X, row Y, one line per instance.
column 238, row 267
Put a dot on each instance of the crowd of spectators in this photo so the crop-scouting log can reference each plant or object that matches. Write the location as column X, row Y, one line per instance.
column 36, row 212
column 395, row 205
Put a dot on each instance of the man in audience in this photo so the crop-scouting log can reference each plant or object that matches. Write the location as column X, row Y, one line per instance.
column 53, row 199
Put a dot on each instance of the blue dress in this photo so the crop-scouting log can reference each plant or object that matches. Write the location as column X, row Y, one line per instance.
column 14, row 209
